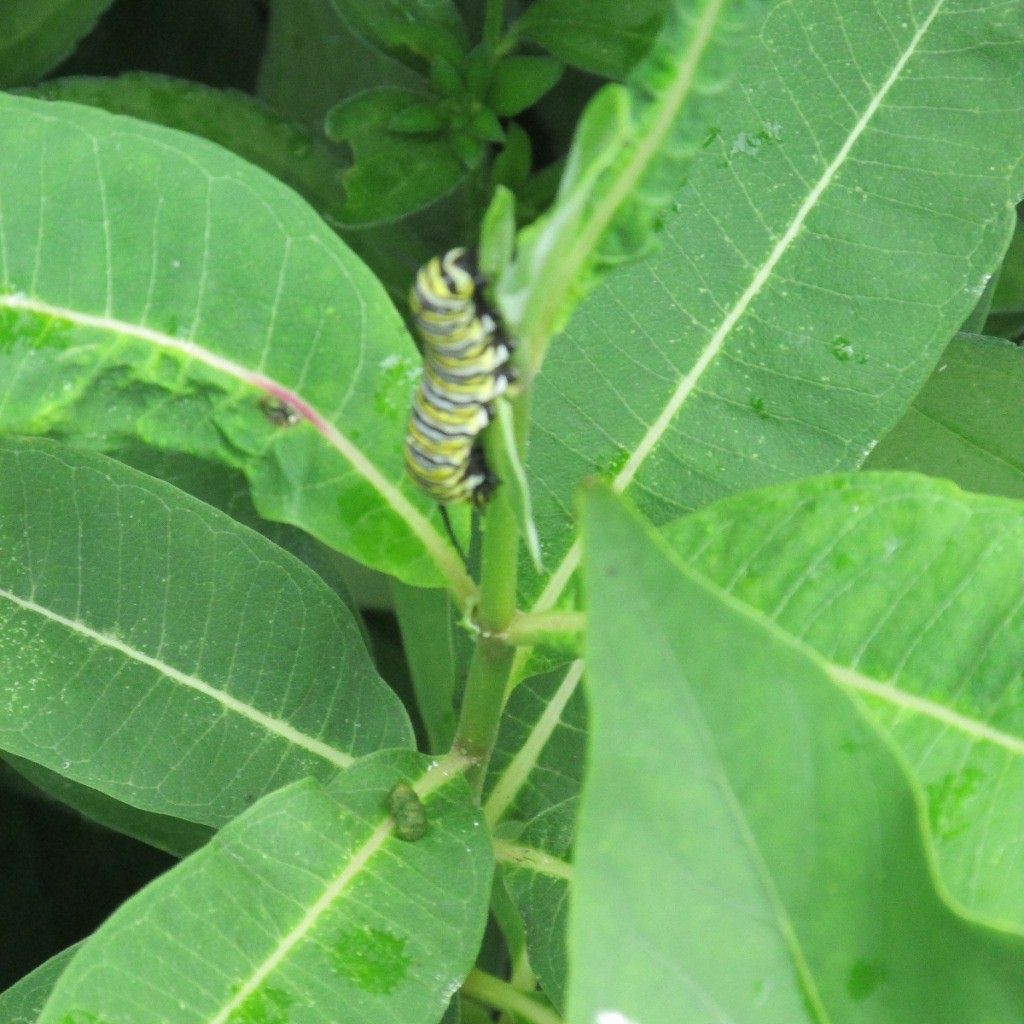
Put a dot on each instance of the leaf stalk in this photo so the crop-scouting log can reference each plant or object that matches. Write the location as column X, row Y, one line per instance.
column 492, row 991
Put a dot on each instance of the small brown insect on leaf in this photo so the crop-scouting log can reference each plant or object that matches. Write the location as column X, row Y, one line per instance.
column 408, row 812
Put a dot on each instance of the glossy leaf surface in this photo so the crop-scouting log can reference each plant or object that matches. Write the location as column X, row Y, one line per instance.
column 744, row 831
column 157, row 651
column 21, row 1003
column 202, row 290
column 307, row 908
column 910, row 590
column 836, row 231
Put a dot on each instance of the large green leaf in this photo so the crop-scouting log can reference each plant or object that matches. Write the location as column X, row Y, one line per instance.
column 308, row 909
column 967, row 422
column 36, row 35
column 292, row 152
column 909, row 590
column 631, row 151
column 155, row 285
column 227, row 490
column 853, row 198
column 162, row 654
column 393, row 248
column 22, row 1003
column 240, row 123
column 745, row 833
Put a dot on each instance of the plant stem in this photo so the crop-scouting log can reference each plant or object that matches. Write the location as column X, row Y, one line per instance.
column 482, row 706
column 489, row 669
column 529, row 628
column 485, row 988
column 494, row 18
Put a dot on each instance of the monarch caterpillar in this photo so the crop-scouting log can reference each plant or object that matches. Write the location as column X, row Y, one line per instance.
column 407, row 810
column 465, row 368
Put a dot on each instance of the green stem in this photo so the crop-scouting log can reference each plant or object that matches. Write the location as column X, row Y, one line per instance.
column 530, row 628
column 482, row 706
column 491, row 665
column 485, row 988
column 494, row 19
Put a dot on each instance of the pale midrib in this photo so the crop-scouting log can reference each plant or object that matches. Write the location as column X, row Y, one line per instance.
column 561, row 576
column 650, row 144
column 891, row 694
column 516, row 772
column 532, row 859
column 443, row 555
column 272, row 725
column 570, row 562
column 432, row 780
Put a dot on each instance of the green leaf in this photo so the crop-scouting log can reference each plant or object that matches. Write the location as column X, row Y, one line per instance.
column 425, row 621
column 606, row 37
column 503, row 454
column 631, row 152
column 484, row 125
column 479, row 67
column 539, row 755
column 307, row 903
column 111, row 575
column 538, row 873
column 417, row 119
column 36, row 35
column 202, row 289
column 519, row 82
column 469, row 149
column 413, row 30
column 909, row 590
column 227, row 491
column 803, row 294
column 240, row 123
column 1009, row 295
column 512, row 165
column 305, row 34
column 22, row 1003
column 497, row 233
column 291, row 152
column 975, row 323
column 446, row 79
column 745, row 828
column 967, row 423
column 392, row 175
column 532, row 792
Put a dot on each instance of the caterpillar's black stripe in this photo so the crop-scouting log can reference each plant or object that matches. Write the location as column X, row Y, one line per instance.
column 466, row 367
